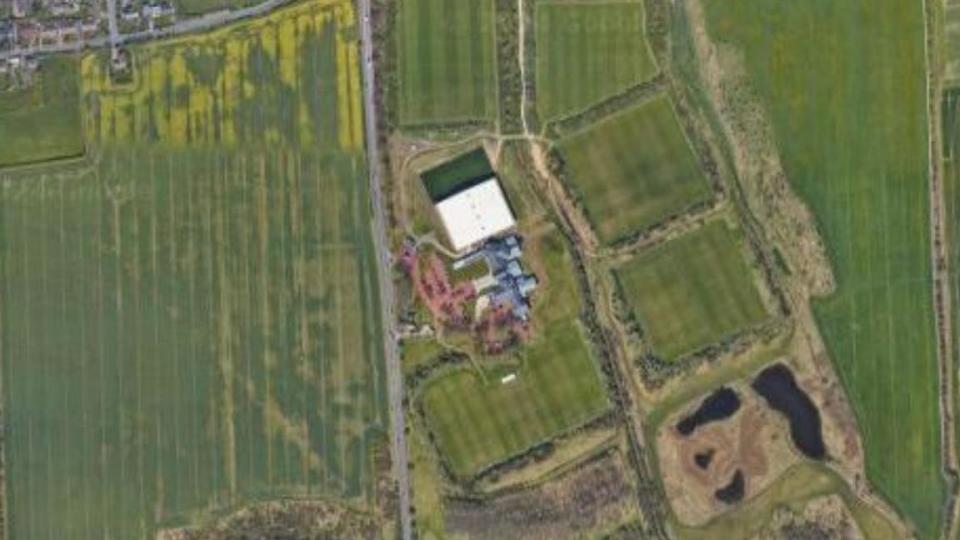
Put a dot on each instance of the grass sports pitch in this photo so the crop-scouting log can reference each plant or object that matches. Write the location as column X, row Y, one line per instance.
column 587, row 52
column 479, row 421
column 188, row 328
column 712, row 297
column 446, row 61
column 457, row 174
column 853, row 139
column 634, row 169
column 42, row 122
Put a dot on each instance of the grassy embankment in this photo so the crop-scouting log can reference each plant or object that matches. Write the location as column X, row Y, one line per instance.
column 42, row 122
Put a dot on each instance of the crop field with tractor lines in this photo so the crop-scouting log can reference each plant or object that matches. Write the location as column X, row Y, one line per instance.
column 587, row 52
column 634, row 169
column 190, row 315
column 852, row 135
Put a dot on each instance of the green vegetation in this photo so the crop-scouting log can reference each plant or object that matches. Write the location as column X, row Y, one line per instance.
column 693, row 291
column 457, row 174
column 952, row 39
column 588, row 51
column 479, row 421
column 446, row 61
column 849, row 112
column 417, row 352
column 951, row 194
column 798, row 486
column 634, row 169
column 42, row 121
column 199, row 7
column 191, row 327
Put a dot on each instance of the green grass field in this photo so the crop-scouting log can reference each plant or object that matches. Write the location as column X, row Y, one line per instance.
column 478, row 421
column 587, row 52
column 198, row 7
column 951, row 194
column 42, row 122
column 849, row 112
column 952, row 49
column 634, row 169
column 447, row 62
column 692, row 291
column 448, row 178
column 190, row 327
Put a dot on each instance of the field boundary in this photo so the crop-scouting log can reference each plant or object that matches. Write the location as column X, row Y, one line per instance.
column 941, row 263
column 578, row 121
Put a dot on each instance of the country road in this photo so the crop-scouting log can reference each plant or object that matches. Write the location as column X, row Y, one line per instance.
column 392, row 356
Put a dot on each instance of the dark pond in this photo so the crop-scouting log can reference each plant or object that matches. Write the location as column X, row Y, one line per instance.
column 717, row 406
column 732, row 492
column 778, row 387
column 703, row 459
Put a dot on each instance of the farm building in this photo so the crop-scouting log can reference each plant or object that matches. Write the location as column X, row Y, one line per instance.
column 474, row 214
column 507, row 283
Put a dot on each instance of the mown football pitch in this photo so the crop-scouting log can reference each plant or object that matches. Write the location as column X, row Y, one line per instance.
column 588, row 51
column 479, row 421
column 692, row 291
column 849, row 115
column 634, row 169
column 189, row 327
column 447, row 66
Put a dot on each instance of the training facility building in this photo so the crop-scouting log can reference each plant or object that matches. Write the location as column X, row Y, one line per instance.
column 476, row 213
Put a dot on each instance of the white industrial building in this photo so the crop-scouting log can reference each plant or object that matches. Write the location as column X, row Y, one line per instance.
column 475, row 214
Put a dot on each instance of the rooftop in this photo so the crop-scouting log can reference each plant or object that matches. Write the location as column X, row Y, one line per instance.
column 475, row 214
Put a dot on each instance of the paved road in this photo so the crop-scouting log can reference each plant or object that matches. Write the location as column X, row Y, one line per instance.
column 114, row 32
column 394, row 376
column 186, row 26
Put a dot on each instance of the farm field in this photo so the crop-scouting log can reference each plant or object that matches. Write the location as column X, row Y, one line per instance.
column 853, row 142
column 587, row 52
column 192, row 327
column 42, row 122
column 634, row 169
column 712, row 298
column 557, row 388
column 447, row 62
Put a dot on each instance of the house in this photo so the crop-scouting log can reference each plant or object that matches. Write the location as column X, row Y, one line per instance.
column 509, row 284
column 158, row 9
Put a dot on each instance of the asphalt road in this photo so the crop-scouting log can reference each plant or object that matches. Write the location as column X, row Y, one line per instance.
column 392, row 354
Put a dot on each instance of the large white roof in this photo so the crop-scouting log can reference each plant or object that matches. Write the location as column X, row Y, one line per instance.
column 475, row 214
